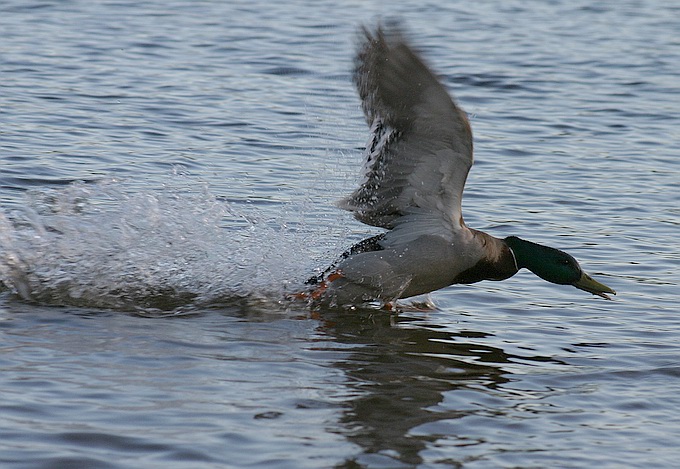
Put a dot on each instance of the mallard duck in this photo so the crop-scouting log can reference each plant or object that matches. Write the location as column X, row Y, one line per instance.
column 417, row 160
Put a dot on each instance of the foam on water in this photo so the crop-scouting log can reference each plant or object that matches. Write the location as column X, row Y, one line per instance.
column 101, row 245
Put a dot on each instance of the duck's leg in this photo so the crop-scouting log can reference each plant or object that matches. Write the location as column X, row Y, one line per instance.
column 321, row 287
column 424, row 306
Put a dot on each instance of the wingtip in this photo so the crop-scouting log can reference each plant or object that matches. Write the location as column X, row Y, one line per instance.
column 386, row 30
column 345, row 204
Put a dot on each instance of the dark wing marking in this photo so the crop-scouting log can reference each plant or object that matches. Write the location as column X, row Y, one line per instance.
column 367, row 245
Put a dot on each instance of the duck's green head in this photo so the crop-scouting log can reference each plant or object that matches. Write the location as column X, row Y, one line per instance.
column 554, row 266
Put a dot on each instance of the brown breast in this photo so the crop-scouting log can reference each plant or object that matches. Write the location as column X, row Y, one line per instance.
column 498, row 263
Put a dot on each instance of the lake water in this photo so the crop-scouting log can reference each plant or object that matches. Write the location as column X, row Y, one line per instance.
column 168, row 171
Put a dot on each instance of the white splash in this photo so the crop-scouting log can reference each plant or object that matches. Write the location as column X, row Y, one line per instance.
column 101, row 245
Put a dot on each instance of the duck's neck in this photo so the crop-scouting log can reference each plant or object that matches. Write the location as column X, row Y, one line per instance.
column 544, row 261
column 521, row 250
column 527, row 254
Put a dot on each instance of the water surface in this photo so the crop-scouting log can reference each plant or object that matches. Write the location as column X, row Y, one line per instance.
column 168, row 171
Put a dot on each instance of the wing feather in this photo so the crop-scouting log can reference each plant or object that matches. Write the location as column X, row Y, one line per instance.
column 420, row 149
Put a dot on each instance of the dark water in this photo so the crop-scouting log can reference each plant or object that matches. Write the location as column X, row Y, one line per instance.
column 167, row 172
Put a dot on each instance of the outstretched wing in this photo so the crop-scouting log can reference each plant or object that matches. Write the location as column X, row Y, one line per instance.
column 420, row 150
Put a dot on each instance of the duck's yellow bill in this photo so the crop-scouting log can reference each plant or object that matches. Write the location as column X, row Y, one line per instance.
column 587, row 283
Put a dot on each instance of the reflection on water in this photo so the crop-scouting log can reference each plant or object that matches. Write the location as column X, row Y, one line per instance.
column 401, row 371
